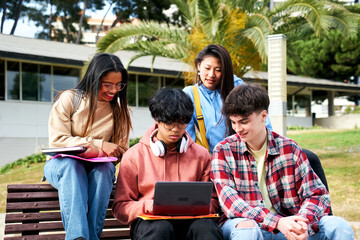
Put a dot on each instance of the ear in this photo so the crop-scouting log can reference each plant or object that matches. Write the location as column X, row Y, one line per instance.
column 264, row 114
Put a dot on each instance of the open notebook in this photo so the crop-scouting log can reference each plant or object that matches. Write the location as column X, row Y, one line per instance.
column 72, row 153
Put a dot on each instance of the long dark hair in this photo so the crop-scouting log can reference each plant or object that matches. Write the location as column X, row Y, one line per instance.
column 227, row 73
column 89, row 86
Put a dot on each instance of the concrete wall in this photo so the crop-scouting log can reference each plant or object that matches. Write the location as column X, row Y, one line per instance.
column 348, row 121
column 24, row 128
column 299, row 121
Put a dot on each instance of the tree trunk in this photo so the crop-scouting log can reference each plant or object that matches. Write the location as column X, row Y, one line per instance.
column 118, row 19
column 66, row 27
column 16, row 17
column 3, row 16
column 50, row 20
column 78, row 38
column 101, row 24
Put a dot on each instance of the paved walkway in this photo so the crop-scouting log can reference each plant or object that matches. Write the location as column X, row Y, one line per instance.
column 355, row 226
column 2, row 225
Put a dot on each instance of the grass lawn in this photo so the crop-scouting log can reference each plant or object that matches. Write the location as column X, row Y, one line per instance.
column 339, row 152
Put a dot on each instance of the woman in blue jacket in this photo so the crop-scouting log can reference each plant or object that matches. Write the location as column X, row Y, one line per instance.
column 214, row 81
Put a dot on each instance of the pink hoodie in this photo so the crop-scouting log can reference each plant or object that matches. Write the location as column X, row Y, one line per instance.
column 140, row 169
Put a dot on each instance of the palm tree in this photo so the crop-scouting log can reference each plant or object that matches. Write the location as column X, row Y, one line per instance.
column 240, row 26
column 206, row 22
column 294, row 18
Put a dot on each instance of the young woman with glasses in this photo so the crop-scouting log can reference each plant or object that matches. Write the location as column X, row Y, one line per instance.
column 101, row 123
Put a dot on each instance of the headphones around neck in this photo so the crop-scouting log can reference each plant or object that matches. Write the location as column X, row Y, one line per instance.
column 159, row 147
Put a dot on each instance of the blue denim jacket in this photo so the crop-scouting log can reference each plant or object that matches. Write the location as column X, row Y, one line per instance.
column 211, row 104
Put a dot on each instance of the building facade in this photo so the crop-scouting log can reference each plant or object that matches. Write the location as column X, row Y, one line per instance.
column 33, row 71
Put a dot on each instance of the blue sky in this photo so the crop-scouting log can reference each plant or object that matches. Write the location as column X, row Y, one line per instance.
column 26, row 28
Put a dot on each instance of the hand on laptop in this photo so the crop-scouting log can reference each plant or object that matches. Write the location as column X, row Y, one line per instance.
column 91, row 151
column 149, row 206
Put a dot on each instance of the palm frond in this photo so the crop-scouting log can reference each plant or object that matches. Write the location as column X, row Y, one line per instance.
column 320, row 16
column 257, row 29
column 159, row 48
column 128, row 33
column 210, row 16
column 186, row 12
column 111, row 43
column 342, row 19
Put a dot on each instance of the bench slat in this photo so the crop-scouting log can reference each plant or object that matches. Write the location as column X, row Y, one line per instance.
column 34, row 210
column 21, row 206
column 43, row 216
column 113, row 223
column 31, row 196
column 121, row 234
column 118, row 234
column 28, row 227
column 52, row 226
column 38, row 237
column 30, row 188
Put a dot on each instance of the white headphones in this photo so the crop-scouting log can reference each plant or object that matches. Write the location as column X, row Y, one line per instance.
column 159, row 147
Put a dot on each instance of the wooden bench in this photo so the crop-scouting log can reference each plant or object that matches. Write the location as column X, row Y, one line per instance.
column 33, row 212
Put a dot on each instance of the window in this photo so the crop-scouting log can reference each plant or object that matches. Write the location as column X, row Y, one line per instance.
column 174, row 82
column 13, row 80
column 45, row 83
column 36, row 82
column 2, row 79
column 147, row 85
column 65, row 78
column 30, row 82
column 131, row 90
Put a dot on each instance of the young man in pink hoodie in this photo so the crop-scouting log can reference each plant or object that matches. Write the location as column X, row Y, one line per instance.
column 165, row 153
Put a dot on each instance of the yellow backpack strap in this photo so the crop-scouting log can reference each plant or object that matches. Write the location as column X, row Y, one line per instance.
column 202, row 138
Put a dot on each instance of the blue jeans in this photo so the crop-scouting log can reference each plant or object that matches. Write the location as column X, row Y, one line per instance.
column 84, row 189
column 331, row 227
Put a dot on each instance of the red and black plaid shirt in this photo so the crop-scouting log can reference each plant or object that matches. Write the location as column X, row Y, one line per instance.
column 293, row 187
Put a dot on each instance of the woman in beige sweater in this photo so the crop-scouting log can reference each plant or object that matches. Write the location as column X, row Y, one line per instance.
column 101, row 123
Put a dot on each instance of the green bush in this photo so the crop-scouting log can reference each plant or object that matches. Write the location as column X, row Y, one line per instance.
column 34, row 158
column 134, row 141
column 301, row 127
column 357, row 109
column 349, row 110
column 39, row 157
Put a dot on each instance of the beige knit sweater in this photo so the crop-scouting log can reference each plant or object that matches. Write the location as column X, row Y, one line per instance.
column 64, row 132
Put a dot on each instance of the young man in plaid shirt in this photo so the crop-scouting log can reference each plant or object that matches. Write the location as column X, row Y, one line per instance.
column 266, row 187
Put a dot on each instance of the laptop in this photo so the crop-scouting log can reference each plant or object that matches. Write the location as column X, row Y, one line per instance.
column 182, row 198
column 63, row 150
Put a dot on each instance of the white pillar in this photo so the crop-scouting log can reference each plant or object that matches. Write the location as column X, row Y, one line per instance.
column 331, row 96
column 277, row 82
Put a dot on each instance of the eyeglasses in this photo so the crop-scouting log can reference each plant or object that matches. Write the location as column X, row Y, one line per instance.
column 171, row 125
column 109, row 86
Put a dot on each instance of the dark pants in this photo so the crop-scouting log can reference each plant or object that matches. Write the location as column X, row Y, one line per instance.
column 198, row 229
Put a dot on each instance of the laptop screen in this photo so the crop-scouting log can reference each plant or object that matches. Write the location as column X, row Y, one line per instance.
column 182, row 198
